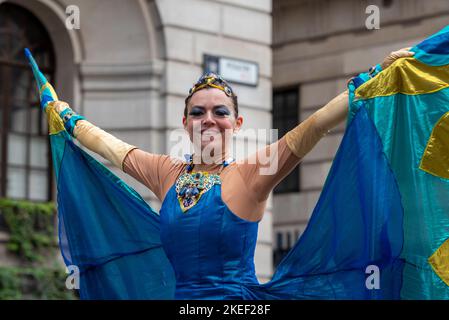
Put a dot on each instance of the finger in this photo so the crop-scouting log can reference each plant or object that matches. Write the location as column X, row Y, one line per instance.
column 401, row 54
column 60, row 106
column 405, row 53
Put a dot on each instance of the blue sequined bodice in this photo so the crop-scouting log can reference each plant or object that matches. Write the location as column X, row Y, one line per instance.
column 210, row 248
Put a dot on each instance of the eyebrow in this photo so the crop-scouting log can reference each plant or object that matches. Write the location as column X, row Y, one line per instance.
column 214, row 107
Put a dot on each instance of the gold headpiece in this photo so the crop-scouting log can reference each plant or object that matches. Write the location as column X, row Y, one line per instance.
column 212, row 80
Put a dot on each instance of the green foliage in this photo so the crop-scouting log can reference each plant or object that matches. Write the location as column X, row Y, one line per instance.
column 32, row 238
column 31, row 226
column 9, row 284
column 34, row 283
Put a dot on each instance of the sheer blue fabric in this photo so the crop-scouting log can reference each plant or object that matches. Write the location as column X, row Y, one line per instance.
column 109, row 232
column 356, row 224
column 106, row 230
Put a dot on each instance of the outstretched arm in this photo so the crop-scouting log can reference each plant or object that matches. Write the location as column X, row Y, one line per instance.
column 153, row 170
column 293, row 146
column 304, row 137
column 98, row 140
column 287, row 152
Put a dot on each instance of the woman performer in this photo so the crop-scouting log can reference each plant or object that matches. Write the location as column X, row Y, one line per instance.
column 211, row 205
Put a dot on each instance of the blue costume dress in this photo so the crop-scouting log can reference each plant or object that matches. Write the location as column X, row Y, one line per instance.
column 210, row 248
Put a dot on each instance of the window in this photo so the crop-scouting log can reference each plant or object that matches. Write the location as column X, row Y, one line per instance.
column 281, row 249
column 289, row 240
column 296, row 235
column 25, row 161
column 279, row 242
column 285, row 118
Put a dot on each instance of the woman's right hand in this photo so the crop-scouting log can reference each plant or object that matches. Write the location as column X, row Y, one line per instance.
column 394, row 55
column 60, row 106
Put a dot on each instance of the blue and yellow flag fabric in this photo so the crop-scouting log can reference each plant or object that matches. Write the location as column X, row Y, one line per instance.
column 408, row 104
column 380, row 229
column 385, row 204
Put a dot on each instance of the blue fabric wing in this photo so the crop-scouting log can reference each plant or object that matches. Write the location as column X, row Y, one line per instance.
column 357, row 223
column 106, row 229
column 109, row 232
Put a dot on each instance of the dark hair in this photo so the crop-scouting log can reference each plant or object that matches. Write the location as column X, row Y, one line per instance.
column 233, row 97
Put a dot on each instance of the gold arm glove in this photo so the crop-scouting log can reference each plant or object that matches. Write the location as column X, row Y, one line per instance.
column 98, row 140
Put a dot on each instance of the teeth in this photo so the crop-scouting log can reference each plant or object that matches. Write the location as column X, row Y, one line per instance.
column 211, row 132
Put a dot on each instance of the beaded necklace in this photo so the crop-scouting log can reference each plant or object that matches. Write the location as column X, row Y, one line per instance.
column 190, row 186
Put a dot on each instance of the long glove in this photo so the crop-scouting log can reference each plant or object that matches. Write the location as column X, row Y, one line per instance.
column 303, row 137
column 90, row 136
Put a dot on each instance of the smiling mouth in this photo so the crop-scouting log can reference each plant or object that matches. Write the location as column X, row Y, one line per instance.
column 211, row 129
column 210, row 132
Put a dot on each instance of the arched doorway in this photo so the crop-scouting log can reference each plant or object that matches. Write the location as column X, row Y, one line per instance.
column 25, row 161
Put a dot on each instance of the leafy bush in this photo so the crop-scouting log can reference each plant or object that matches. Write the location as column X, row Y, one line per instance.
column 32, row 238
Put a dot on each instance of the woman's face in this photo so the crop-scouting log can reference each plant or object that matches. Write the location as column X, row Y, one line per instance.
column 211, row 119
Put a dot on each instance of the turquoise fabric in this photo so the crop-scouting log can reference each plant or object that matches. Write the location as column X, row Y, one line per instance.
column 105, row 228
column 109, row 232
column 404, row 124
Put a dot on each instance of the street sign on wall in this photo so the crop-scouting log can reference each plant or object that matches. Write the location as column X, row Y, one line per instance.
column 233, row 70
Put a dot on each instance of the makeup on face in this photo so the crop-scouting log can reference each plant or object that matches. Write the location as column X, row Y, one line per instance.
column 221, row 115
column 210, row 117
column 220, row 111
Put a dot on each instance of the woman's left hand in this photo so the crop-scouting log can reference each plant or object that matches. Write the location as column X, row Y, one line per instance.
column 394, row 55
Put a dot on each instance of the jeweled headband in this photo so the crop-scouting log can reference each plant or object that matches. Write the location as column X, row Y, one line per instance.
column 212, row 80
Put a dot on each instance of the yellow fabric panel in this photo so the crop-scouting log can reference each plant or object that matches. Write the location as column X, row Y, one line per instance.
column 435, row 159
column 55, row 123
column 439, row 261
column 49, row 87
column 407, row 76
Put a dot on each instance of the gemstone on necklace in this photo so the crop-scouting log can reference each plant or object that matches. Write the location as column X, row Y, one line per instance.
column 183, row 191
column 191, row 186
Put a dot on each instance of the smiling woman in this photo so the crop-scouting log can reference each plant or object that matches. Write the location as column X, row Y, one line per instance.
column 211, row 204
